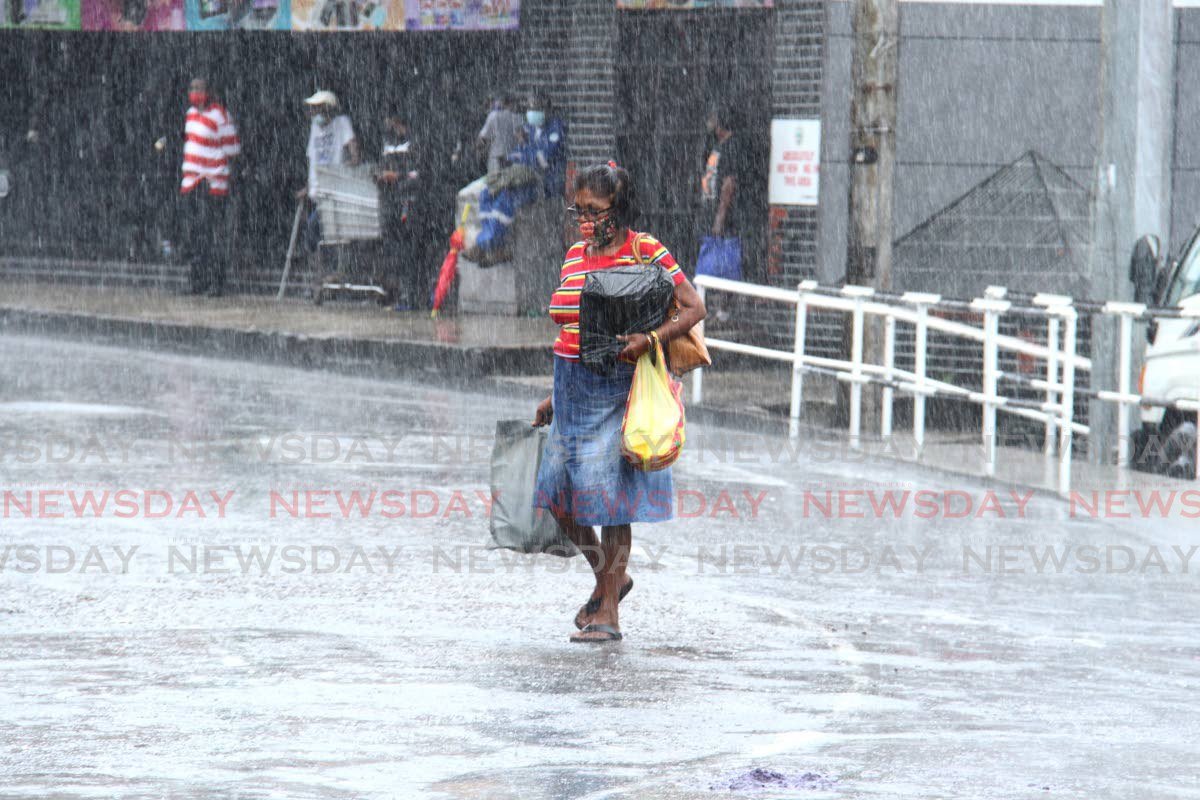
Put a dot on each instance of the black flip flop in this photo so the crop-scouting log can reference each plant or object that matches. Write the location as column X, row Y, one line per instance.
column 593, row 605
column 614, row 635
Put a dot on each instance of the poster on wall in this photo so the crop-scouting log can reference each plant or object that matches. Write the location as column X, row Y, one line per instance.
column 342, row 15
column 687, row 5
column 133, row 15
column 795, row 162
column 60, row 15
column 461, row 15
column 223, row 15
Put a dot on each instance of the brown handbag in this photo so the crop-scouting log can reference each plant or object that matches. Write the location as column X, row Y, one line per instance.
column 687, row 351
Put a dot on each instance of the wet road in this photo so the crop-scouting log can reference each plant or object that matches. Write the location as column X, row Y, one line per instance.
column 391, row 656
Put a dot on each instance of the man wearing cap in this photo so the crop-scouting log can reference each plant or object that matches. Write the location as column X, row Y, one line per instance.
column 331, row 142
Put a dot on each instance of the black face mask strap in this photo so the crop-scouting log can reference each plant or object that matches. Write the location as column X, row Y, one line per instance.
column 618, row 209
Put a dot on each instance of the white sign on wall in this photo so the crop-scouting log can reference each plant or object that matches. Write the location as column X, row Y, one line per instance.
column 795, row 162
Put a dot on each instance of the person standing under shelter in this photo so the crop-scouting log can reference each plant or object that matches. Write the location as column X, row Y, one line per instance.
column 402, row 182
column 723, row 188
column 544, row 145
column 331, row 143
column 210, row 144
column 501, row 133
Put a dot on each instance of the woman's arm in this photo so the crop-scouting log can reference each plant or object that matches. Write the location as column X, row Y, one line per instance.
column 725, row 201
column 691, row 311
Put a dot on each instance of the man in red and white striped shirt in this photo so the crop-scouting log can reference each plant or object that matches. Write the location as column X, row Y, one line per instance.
column 210, row 145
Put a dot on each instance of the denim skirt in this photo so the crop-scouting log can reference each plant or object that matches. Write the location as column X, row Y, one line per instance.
column 583, row 472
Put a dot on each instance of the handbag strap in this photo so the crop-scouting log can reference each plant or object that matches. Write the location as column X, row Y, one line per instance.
column 638, row 238
column 655, row 347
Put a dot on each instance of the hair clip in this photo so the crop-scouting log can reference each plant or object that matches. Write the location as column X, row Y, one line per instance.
column 612, row 164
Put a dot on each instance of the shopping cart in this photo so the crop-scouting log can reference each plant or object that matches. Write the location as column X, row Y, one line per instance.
column 347, row 201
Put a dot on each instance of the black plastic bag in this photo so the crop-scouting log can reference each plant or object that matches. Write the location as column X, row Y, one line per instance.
column 617, row 302
column 516, row 524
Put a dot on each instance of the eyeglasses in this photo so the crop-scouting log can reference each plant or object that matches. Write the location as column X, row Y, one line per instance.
column 588, row 214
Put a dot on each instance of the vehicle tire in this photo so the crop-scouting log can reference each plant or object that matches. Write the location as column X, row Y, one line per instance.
column 1180, row 449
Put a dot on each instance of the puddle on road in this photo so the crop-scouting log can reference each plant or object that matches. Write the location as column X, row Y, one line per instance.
column 762, row 778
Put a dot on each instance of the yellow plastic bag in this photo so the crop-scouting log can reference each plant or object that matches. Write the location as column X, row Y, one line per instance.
column 652, row 433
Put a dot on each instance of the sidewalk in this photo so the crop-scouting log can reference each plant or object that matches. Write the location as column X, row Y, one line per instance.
column 507, row 356
column 291, row 331
column 964, row 453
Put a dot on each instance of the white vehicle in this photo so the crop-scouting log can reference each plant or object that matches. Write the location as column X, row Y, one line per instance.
column 1172, row 365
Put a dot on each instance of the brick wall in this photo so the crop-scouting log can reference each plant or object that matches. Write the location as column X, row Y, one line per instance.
column 591, row 80
column 545, row 26
column 796, row 92
column 567, row 51
column 792, row 253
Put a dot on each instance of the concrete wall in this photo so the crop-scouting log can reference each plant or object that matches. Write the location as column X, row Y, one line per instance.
column 979, row 85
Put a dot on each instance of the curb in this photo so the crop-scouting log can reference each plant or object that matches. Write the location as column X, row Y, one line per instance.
column 379, row 357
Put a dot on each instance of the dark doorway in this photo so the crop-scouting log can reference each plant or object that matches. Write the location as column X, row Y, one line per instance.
column 92, row 186
column 672, row 68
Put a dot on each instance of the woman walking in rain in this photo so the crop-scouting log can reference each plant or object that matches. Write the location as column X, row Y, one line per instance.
column 584, row 480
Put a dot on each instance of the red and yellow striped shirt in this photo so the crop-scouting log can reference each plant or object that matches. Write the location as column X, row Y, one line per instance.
column 564, row 305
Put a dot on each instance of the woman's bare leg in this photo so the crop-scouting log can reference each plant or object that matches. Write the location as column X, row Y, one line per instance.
column 611, row 578
column 584, row 537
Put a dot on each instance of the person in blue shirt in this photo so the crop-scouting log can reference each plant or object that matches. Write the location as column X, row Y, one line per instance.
column 543, row 150
column 544, row 144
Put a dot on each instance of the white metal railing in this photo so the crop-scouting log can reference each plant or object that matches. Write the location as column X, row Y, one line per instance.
column 1060, row 354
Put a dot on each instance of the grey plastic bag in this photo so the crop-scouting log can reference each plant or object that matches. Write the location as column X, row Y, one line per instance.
column 516, row 524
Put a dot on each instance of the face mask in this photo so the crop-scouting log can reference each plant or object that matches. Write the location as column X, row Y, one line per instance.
column 197, row 98
column 601, row 232
column 321, row 119
column 535, row 118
